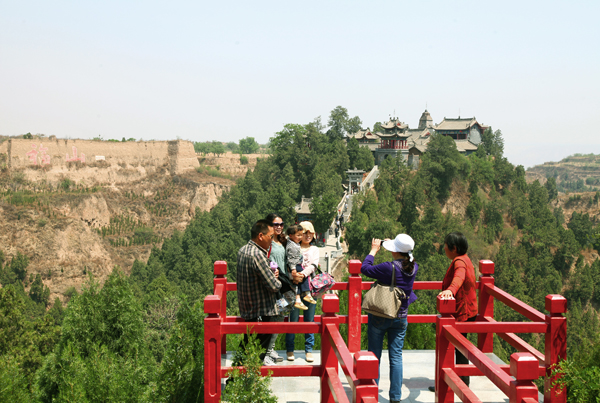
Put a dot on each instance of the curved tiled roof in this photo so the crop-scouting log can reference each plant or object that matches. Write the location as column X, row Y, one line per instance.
column 456, row 124
column 394, row 123
column 364, row 134
column 465, row 145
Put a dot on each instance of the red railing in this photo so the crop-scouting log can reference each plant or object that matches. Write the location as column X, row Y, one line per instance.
column 526, row 365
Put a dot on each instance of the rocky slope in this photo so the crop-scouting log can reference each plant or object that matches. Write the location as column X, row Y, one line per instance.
column 70, row 230
column 575, row 173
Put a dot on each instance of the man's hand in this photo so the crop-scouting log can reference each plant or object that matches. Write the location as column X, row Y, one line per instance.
column 276, row 273
column 297, row 278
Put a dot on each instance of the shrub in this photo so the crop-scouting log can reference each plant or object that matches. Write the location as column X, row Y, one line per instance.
column 248, row 386
column 66, row 184
column 71, row 292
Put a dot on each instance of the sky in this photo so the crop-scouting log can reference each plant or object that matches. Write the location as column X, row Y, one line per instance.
column 226, row 70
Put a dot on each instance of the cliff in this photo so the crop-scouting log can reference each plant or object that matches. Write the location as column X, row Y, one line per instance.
column 80, row 207
column 94, row 162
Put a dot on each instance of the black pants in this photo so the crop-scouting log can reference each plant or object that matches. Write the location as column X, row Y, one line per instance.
column 263, row 338
column 460, row 358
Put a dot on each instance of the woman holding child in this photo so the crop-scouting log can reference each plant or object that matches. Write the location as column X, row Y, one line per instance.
column 309, row 263
column 277, row 255
column 405, row 270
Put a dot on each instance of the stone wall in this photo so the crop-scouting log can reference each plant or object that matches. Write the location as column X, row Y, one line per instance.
column 97, row 161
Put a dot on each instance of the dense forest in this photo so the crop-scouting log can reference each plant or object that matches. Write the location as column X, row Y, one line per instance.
column 140, row 337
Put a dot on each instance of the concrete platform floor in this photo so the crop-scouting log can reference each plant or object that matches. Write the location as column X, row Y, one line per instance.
column 418, row 368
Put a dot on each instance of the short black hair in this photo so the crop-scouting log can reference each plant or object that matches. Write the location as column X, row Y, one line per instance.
column 260, row 227
column 292, row 229
column 458, row 242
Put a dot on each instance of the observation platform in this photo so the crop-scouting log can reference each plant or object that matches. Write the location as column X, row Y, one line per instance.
column 340, row 359
column 419, row 374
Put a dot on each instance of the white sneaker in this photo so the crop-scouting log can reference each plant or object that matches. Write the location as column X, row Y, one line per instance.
column 275, row 356
column 269, row 360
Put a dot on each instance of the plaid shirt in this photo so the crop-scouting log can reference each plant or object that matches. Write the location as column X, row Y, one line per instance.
column 257, row 286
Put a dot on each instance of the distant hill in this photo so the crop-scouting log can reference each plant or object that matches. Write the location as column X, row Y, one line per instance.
column 576, row 173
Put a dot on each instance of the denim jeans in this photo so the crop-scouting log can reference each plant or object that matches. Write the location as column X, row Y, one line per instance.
column 396, row 330
column 309, row 338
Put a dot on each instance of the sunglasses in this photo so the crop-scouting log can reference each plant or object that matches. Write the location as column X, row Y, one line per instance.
column 276, row 224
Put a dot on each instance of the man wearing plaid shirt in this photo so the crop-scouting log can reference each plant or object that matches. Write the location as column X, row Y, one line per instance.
column 257, row 284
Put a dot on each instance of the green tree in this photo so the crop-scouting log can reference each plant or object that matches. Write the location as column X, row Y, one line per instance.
column 248, row 386
column 492, row 143
column 581, row 225
column 109, row 316
column 550, row 186
column 217, row 148
column 340, row 123
column 441, row 164
column 360, row 157
column 180, row 377
column 233, row 147
column 38, row 292
column 248, row 146
column 16, row 270
column 202, row 148
column 326, row 191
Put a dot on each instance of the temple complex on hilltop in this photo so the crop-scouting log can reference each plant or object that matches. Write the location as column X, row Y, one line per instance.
column 396, row 138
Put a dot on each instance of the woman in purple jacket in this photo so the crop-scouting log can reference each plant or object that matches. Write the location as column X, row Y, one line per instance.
column 406, row 270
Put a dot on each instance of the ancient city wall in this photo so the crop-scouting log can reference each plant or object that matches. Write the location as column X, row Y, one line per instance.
column 96, row 161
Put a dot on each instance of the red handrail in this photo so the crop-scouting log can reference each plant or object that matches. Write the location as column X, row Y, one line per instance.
column 526, row 365
column 334, row 352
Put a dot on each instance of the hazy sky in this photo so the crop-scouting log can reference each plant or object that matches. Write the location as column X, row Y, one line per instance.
column 224, row 70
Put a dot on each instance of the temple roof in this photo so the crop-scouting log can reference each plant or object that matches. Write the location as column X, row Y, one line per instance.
column 364, row 134
column 456, row 124
column 387, row 136
column 421, row 147
column 392, row 123
column 304, row 206
column 425, row 120
column 465, row 145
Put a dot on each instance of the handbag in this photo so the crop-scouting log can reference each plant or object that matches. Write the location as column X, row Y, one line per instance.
column 384, row 300
column 320, row 284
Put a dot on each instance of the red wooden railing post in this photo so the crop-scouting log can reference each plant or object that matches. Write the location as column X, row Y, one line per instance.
column 331, row 305
column 485, row 341
column 354, row 305
column 366, row 370
column 220, row 271
column 212, row 349
column 524, row 367
column 444, row 350
column 555, row 346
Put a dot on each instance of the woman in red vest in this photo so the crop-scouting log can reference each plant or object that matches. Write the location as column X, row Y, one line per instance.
column 459, row 283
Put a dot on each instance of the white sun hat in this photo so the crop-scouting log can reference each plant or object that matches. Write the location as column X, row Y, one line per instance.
column 307, row 226
column 402, row 243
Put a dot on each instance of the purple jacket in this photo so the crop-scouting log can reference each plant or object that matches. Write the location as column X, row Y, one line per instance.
column 383, row 273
